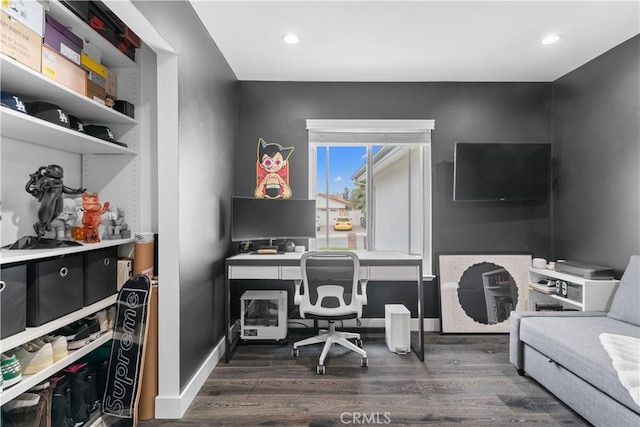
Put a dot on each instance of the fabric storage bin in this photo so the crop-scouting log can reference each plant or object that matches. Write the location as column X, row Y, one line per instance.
column 54, row 288
column 13, row 300
column 100, row 274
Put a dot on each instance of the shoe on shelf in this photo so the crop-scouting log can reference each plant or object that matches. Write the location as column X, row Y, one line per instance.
column 11, row 370
column 111, row 317
column 76, row 334
column 34, row 359
column 94, row 327
column 45, row 390
column 59, row 344
column 102, row 319
column 24, row 410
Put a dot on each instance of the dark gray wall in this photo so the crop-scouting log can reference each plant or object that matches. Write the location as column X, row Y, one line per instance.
column 276, row 111
column 208, row 106
column 597, row 149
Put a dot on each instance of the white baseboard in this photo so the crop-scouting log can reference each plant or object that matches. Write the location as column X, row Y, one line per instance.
column 430, row 325
column 174, row 407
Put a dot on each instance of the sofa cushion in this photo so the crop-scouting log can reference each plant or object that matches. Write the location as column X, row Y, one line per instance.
column 574, row 343
column 626, row 302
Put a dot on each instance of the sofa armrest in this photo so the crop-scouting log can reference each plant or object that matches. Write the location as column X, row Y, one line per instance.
column 516, row 347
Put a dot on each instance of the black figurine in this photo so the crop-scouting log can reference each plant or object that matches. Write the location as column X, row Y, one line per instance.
column 46, row 185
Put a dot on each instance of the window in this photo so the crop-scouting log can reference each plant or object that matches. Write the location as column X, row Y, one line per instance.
column 371, row 180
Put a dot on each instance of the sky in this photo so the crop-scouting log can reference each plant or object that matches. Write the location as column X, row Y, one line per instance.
column 344, row 162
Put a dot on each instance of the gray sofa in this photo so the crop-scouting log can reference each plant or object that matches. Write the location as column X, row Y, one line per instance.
column 562, row 351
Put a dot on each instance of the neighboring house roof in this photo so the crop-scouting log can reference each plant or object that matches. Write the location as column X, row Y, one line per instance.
column 377, row 160
column 334, row 199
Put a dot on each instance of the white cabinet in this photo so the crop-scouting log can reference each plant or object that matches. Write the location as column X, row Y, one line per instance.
column 583, row 294
column 111, row 170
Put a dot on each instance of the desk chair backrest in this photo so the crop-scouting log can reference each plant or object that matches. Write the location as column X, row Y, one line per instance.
column 331, row 286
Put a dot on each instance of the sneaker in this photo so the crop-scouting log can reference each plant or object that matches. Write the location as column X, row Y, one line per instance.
column 34, row 359
column 45, row 390
column 111, row 317
column 11, row 370
column 102, row 319
column 76, row 334
column 61, row 402
column 94, row 327
column 24, row 410
column 59, row 344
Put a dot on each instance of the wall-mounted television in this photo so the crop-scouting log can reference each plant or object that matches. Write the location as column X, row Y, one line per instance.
column 262, row 219
column 501, row 171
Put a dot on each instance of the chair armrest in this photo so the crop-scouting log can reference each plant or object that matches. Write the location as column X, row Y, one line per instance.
column 297, row 297
column 363, row 288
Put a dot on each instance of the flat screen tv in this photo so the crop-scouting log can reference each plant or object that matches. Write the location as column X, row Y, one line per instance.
column 262, row 219
column 501, row 171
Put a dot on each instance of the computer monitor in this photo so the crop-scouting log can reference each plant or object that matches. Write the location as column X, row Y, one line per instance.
column 262, row 219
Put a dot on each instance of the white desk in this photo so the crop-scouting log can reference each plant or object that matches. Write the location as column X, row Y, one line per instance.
column 374, row 266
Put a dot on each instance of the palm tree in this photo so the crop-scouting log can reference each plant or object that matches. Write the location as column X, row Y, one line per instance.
column 358, row 197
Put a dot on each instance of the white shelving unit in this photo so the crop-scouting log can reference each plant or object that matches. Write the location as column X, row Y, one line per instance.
column 595, row 295
column 29, row 381
column 8, row 256
column 32, row 333
column 111, row 170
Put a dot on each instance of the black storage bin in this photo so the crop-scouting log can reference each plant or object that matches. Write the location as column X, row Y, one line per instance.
column 124, row 107
column 54, row 288
column 100, row 274
column 13, row 300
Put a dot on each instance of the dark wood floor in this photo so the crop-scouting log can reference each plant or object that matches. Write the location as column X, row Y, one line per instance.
column 465, row 380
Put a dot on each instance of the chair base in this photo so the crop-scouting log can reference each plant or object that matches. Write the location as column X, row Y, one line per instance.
column 330, row 337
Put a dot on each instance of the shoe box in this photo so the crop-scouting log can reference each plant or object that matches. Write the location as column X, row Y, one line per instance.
column 13, row 300
column 100, row 274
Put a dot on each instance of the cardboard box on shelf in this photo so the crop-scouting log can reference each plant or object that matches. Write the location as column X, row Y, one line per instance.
column 62, row 70
column 29, row 13
column 91, row 64
column 95, row 92
column 19, row 42
column 62, row 40
column 111, row 84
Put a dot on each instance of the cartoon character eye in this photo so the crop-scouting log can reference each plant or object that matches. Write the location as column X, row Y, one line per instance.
column 278, row 162
column 267, row 163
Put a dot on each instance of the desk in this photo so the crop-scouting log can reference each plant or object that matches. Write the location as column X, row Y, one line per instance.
column 374, row 266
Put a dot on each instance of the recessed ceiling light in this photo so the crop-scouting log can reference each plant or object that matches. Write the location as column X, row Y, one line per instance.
column 290, row 38
column 551, row 39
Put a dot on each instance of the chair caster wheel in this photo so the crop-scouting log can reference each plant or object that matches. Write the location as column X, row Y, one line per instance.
column 364, row 362
column 320, row 370
column 295, row 352
column 359, row 342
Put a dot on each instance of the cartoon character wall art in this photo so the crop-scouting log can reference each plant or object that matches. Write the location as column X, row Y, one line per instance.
column 272, row 171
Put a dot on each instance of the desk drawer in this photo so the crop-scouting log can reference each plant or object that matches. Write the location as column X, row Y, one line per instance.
column 254, row 272
column 295, row 273
column 393, row 273
column 291, row 273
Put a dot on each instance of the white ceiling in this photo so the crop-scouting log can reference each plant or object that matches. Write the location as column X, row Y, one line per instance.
column 414, row 40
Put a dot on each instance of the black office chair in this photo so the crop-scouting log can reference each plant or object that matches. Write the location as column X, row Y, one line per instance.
column 331, row 291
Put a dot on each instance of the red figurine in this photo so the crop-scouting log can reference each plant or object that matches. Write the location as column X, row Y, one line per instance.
column 92, row 216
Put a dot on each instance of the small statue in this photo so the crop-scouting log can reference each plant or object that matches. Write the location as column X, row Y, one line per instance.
column 67, row 219
column 115, row 226
column 92, row 216
column 121, row 227
column 46, row 185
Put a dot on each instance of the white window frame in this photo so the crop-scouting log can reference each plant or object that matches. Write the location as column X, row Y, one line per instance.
column 381, row 132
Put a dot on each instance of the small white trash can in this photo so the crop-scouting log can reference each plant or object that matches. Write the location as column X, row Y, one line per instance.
column 397, row 328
